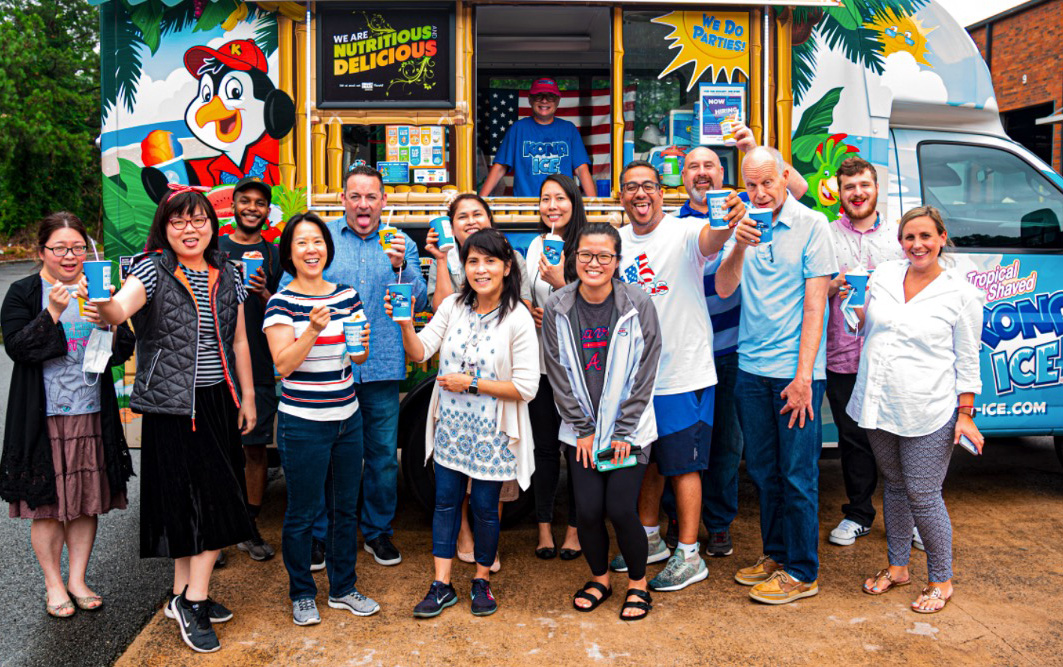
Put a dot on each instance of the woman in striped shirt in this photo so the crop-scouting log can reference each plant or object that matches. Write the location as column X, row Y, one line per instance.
column 319, row 430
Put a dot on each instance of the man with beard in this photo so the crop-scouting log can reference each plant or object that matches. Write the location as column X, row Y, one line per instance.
column 666, row 256
column 251, row 201
column 781, row 373
column 861, row 239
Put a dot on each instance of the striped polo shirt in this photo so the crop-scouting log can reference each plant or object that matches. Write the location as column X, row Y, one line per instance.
column 322, row 387
column 724, row 313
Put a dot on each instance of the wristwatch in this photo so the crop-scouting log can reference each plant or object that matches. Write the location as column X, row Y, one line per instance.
column 967, row 410
column 399, row 269
column 474, row 389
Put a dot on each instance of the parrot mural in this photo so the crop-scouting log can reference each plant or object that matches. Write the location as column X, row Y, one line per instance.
column 817, row 154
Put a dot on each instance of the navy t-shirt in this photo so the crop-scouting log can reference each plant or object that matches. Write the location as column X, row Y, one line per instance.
column 535, row 151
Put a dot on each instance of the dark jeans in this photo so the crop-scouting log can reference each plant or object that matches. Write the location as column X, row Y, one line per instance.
column 719, row 484
column 783, row 463
column 483, row 515
column 379, row 404
column 858, row 461
column 613, row 494
column 316, row 456
column 545, row 425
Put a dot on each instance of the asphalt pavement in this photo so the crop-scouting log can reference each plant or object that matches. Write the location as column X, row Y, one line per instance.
column 133, row 589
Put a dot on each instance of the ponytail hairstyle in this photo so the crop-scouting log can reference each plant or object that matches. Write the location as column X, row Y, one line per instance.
column 939, row 225
column 493, row 243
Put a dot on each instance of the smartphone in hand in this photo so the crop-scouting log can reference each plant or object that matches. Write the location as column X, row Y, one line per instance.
column 966, row 443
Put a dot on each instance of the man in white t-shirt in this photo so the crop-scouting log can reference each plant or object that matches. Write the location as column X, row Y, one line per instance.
column 666, row 258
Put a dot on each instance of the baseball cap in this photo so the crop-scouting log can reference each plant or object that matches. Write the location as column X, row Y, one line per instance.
column 239, row 54
column 256, row 183
column 544, row 86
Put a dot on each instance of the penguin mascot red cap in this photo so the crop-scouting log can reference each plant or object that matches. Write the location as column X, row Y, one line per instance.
column 238, row 111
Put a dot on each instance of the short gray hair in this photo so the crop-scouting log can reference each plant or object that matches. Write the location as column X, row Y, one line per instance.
column 764, row 153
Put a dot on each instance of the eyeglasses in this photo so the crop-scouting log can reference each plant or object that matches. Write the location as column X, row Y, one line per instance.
column 62, row 250
column 631, row 187
column 544, row 96
column 604, row 258
column 181, row 223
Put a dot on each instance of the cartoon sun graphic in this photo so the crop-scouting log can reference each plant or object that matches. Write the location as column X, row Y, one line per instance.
column 902, row 33
column 705, row 44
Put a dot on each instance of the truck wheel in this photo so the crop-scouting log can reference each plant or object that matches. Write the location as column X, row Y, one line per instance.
column 420, row 478
column 1059, row 448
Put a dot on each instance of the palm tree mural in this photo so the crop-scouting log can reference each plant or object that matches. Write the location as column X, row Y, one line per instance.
column 142, row 24
column 845, row 27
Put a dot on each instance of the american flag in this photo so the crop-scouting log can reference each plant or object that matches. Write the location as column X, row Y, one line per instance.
column 640, row 272
column 589, row 110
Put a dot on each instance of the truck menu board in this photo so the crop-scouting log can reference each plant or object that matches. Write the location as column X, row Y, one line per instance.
column 392, row 55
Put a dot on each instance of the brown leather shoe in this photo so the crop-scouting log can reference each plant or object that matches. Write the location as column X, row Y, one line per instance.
column 758, row 572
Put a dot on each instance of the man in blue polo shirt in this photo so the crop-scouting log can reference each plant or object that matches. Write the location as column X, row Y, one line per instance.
column 781, row 374
column 539, row 146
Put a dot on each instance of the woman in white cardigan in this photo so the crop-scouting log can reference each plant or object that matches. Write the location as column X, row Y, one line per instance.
column 478, row 426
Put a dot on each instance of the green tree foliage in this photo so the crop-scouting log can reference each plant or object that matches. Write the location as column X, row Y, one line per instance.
column 49, row 111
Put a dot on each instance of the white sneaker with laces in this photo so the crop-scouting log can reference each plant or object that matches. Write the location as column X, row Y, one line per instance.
column 846, row 533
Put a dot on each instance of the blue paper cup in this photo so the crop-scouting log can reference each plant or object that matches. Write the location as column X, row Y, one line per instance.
column 98, row 274
column 443, row 229
column 858, row 283
column 553, row 245
column 251, row 266
column 401, row 301
column 352, row 336
column 716, row 200
column 762, row 216
column 603, row 187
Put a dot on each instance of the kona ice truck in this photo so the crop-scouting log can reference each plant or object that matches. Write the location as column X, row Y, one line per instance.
column 208, row 91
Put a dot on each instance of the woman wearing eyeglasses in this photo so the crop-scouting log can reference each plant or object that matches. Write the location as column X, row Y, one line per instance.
column 602, row 348
column 560, row 213
column 65, row 459
column 186, row 303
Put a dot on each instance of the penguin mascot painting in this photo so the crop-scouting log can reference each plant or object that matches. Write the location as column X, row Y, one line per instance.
column 237, row 111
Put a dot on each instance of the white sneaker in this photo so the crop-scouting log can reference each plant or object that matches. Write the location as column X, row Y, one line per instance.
column 847, row 532
column 917, row 541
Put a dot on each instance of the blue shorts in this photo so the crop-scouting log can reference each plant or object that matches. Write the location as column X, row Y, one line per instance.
column 684, row 431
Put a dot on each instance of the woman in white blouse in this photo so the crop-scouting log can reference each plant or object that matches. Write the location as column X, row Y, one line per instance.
column 478, row 426
column 915, row 395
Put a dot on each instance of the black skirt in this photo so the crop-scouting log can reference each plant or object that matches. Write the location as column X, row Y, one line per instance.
column 192, row 482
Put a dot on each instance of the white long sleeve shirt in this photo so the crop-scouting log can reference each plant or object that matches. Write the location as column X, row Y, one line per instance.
column 918, row 356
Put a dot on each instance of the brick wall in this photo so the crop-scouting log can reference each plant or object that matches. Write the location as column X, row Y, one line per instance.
column 1028, row 43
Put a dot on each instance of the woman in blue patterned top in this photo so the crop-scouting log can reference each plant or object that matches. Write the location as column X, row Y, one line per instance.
column 319, row 430
column 478, row 424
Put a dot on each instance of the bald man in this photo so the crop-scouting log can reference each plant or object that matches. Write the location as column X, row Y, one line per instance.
column 781, row 374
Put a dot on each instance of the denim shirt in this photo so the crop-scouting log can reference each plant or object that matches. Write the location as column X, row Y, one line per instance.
column 361, row 264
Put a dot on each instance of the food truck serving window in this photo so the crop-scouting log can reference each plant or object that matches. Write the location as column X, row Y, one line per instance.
column 417, row 158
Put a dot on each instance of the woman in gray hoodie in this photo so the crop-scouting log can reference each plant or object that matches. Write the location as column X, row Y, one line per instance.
column 602, row 346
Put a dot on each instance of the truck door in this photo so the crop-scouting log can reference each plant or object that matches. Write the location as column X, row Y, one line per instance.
column 1004, row 210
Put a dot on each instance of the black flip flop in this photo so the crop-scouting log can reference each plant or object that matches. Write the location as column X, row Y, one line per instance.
column 595, row 601
column 643, row 604
column 546, row 553
column 570, row 554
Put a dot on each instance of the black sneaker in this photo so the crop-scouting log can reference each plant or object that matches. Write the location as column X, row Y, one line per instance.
column 193, row 620
column 671, row 536
column 256, row 547
column 384, row 552
column 483, row 602
column 317, row 556
column 440, row 596
column 219, row 613
column 719, row 544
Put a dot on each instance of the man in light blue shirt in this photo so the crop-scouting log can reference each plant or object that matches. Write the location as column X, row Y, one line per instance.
column 361, row 263
column 781, row 374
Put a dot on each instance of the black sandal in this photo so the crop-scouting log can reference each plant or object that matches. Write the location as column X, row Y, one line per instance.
column 643, row 604
column 570, row 554
column 546, row 553
column 583, row 594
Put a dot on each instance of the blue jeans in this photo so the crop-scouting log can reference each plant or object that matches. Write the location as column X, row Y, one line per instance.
column 379, row 404
column 719, row 484
column 483, row 513
column 783, row 463
column 320, row 455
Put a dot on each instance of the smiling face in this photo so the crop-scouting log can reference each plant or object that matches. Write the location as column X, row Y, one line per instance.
column 593, row 273
column 701, row 172
column 363, row 201
column 225, row 115
column 859, row 195
column 485, row 274
column 309, row 251
column 765, row 185
column 544, row 106
column 555, row 207
column 252, row 210
column 64, row 269
column 189, row 243
column 922, row 242
column 469, row 216
column 644, row 208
